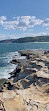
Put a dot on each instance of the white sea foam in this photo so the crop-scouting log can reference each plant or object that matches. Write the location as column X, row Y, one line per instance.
column 7, row 66
column 5, row 70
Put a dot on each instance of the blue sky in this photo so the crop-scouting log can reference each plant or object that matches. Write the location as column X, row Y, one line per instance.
column 21, row 18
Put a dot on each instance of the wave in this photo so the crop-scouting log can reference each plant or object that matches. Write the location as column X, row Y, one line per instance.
column 5, row 65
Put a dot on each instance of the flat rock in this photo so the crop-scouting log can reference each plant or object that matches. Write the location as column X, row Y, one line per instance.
column 42, row 74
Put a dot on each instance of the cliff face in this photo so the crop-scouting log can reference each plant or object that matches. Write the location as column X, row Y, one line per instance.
column 29, row 88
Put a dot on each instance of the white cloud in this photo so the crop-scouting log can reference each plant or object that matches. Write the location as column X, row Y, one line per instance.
column 10, row 24
column 34, row 35
column 22, row 23
column 46, row 22
column 14, row 18
column 28, row 21
column 2, row 20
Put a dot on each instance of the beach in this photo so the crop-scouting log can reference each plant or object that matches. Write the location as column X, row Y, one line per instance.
column 27, row 88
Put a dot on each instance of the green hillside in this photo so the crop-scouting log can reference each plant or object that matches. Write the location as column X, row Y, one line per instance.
column 27, row 39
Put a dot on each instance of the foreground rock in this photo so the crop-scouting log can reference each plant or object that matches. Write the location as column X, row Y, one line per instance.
column 28, row 87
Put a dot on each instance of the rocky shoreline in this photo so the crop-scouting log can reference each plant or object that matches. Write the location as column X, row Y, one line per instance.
column 27, row 89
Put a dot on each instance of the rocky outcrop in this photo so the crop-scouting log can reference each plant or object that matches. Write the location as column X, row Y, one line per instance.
column 28, row 87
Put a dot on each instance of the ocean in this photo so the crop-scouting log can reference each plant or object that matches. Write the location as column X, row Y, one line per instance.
column 10, row 50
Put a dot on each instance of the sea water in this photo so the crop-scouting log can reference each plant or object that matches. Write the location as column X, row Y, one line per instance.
column 8, row 51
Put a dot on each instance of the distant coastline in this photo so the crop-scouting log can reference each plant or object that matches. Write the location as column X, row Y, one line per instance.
column 37, row 39
column 37, row 42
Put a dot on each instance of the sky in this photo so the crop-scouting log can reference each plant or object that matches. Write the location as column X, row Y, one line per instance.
column 21, row 18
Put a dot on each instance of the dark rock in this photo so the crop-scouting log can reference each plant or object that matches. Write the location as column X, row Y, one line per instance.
column 14, row 61
column 28, row 57
column 17, row 70
column 24, row 83
column 46, row 52
column 8, row 85
column 34, row 65
column 23, row 54
column 2, row 81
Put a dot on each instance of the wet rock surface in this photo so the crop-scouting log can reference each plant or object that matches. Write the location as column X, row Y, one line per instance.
column 28, row 87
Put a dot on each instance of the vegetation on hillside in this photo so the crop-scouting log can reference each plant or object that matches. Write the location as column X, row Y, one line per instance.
column 27, row 39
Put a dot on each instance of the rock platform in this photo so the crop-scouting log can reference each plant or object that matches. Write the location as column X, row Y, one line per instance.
column 28, row 87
